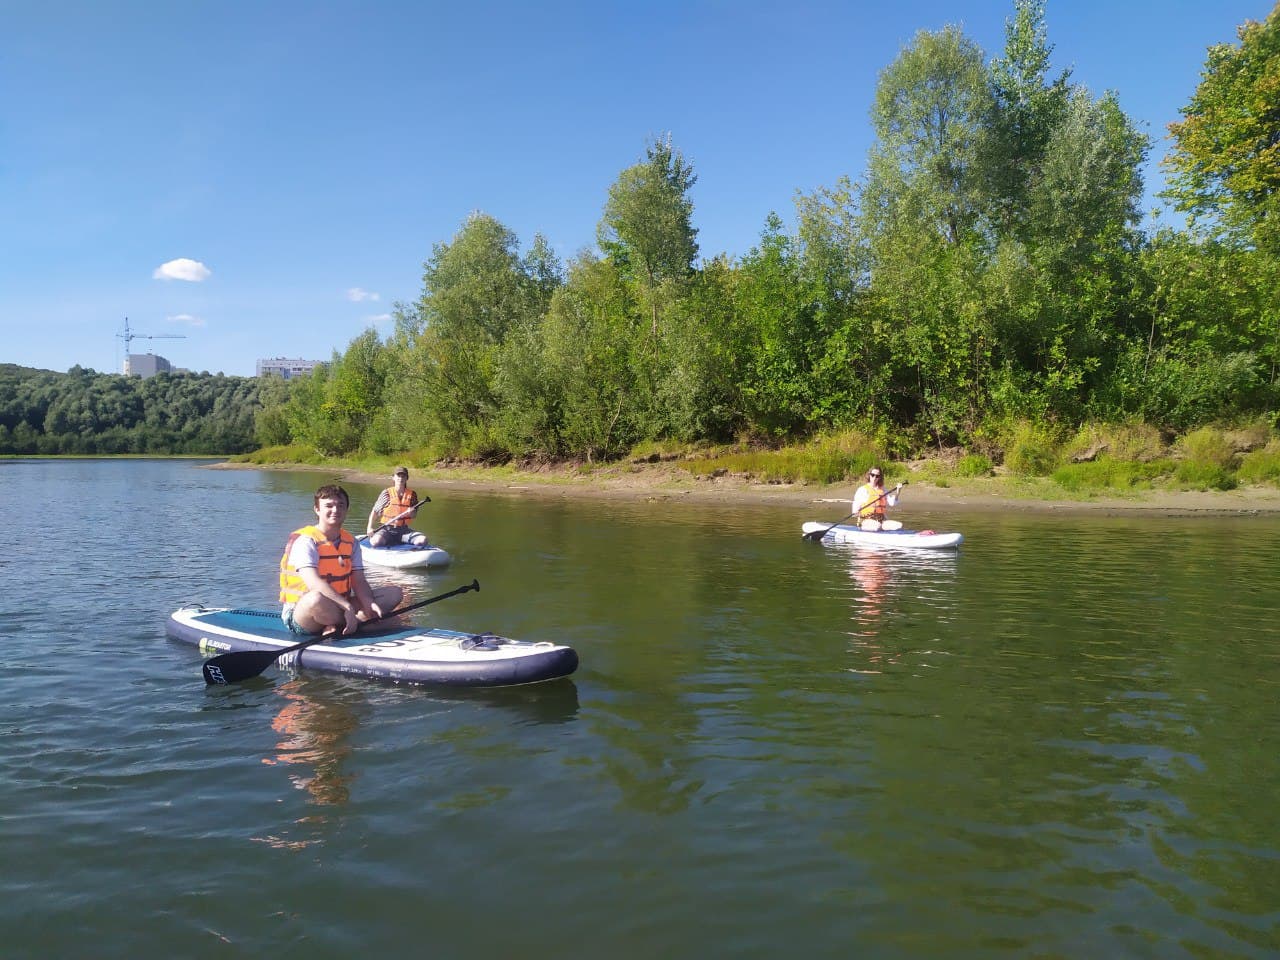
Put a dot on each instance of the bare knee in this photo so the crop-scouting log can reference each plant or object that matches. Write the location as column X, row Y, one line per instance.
column 315, row 611
column 388, row 598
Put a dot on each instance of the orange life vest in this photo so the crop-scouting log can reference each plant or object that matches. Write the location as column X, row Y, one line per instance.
column 398, row 505
column 334, row 565
column 875, row 506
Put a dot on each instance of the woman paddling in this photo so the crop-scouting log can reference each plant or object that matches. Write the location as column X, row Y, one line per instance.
column 871, row 503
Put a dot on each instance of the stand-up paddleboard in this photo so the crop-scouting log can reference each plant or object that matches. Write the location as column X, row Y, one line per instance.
column 403, row 555
column 400, row 654
column 890, row 539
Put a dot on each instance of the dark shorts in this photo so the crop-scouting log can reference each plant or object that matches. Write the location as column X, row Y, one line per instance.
column 393, row 536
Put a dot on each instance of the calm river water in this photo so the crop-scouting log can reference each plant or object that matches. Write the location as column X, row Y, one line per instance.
column 1060, row 742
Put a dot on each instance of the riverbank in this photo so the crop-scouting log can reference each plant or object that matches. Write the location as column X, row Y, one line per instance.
column 660, row 482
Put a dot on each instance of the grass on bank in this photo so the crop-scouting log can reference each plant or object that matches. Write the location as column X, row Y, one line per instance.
column 1024, row 460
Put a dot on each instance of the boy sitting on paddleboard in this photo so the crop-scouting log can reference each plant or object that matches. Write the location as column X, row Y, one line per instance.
column 395, row 507
column 322, row 584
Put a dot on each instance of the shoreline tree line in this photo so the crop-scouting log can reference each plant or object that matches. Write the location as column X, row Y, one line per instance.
column 987, row 273
column 988, row 269
column 85, row 412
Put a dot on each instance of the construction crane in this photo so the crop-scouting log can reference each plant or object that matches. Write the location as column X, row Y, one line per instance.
column 128, row 337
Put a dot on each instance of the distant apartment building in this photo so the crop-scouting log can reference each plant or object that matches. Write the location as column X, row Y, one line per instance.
column 285, row 368
column 145, row 365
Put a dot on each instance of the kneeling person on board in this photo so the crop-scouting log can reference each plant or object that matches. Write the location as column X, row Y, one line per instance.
column 391, row 513
column 322, row 583
column 871, row 503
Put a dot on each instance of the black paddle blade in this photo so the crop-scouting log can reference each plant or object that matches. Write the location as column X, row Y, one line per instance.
column 234, row 667
column 816, row 535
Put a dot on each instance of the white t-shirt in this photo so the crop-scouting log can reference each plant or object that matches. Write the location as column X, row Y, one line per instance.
column 863, row 496
column 306, row 553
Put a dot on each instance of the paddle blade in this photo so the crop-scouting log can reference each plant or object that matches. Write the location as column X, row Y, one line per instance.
column 234, row 667
column 816, row 535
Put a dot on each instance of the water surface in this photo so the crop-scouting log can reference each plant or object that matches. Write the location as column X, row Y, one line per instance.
column 1058, row 742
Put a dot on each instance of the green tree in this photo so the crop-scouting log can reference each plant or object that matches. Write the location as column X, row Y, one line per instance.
column 927, row 229
column 647, row 227
column 930, row 115
column 1225, row 161
column 589, row 333
column 1026, row 109
column 476, row 289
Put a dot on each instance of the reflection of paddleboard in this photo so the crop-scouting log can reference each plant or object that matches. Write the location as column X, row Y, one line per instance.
column 891, row 539
column 403, row 555
column 403, row 654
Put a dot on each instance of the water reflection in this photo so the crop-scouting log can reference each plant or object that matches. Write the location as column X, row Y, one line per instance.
column 417, row 583
column 886, row 584
column 314, row 741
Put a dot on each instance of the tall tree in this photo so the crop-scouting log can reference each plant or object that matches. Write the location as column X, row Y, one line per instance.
column 586, row 362
column 1225, row 161
column 930, row 117
column 647, row 227
column 1027, row 107
column 927, row 227
column 475, row 290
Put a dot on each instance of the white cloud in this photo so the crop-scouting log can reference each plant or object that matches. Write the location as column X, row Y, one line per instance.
column 186, row 318
column 356, row 295
column 381, row 318
column 193, row 271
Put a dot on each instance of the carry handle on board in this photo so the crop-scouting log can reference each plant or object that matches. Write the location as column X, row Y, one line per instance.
column 243, row 664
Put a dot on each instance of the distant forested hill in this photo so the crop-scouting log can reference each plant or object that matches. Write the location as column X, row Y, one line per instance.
column 86, row 412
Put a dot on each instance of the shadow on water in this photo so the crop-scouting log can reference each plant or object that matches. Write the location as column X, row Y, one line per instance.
column 552, row 701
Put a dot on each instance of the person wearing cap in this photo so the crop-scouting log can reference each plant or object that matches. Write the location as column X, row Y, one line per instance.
column 391, row 513
column 871, row 503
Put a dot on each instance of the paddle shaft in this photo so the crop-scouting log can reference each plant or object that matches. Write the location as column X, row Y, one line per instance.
column 243, row 664
column 817, row 535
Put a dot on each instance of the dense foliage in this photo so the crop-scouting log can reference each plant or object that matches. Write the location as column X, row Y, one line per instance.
column 1225, row 163
column 84, row 412
column 988, row 270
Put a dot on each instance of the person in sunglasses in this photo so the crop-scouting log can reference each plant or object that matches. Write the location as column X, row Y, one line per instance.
column 871, row 503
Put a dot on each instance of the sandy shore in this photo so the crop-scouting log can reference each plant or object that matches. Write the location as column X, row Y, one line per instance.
column 662, row 482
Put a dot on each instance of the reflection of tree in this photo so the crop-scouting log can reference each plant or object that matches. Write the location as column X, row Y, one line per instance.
column 314, row 733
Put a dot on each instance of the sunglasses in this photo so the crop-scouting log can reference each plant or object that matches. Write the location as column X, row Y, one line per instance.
column 874, row 474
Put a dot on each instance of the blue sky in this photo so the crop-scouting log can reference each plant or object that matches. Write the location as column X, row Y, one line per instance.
column 305, row 157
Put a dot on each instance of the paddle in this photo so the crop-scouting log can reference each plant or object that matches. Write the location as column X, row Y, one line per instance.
column 816, row 535
column 243, row 664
